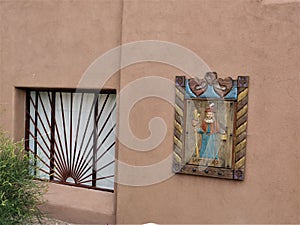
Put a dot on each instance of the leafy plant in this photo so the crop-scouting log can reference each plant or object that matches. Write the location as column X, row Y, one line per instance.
column 20, row 194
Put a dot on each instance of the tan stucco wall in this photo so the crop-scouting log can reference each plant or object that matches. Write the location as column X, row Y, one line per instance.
column 233, row 38
column 79, row 205
column 51, row 44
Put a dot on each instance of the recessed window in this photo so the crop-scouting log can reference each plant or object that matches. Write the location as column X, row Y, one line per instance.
column 71, row 136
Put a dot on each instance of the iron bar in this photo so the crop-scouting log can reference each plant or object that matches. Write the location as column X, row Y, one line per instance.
column 77, row 160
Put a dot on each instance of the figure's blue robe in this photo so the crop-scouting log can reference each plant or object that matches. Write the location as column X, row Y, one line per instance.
column 209, row 147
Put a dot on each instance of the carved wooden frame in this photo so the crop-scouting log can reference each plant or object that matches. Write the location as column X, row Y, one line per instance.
column 226, row 89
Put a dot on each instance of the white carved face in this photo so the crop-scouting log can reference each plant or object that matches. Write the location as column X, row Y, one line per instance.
column 209, row 115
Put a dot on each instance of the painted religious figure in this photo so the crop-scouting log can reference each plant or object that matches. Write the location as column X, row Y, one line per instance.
column 209, row 128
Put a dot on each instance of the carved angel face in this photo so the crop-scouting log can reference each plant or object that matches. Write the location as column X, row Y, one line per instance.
column 209, row 117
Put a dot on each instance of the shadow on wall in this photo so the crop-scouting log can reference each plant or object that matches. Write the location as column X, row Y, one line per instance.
column 269, row 2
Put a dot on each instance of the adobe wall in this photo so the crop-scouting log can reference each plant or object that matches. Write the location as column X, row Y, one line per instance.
column 52, row 43
column 254, row 38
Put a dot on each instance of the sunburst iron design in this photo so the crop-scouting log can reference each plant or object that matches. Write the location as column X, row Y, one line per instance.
column 71, row 135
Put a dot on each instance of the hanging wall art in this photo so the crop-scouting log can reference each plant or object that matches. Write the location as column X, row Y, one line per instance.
column 210, row 127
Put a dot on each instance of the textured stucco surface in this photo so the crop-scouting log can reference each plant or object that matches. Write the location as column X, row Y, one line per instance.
column 51, row 44
column 79, row 205
column 233, row 38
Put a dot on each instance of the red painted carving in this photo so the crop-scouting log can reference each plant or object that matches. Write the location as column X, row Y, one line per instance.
column 223, row 86
column 197, row 87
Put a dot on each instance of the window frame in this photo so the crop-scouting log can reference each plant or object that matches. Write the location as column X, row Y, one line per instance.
column 53, row 92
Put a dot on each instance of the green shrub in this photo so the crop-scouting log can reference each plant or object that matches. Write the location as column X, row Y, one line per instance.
column 20, row 194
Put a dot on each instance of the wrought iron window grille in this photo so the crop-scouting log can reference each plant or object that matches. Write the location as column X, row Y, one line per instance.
column 71, row 135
